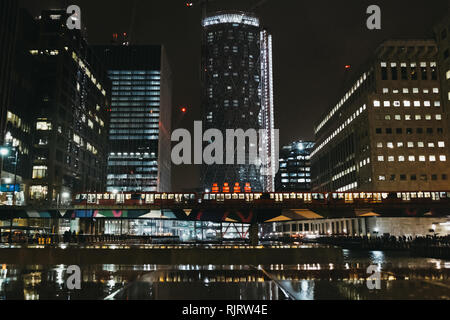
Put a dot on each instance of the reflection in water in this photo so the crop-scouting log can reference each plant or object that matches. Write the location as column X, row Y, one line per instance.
column 403, row 277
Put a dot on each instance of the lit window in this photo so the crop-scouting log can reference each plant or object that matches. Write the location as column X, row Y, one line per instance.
column 437, row 103
column 416, row 103
column 406, row 103
column 405, row 90
column 381, row 178
column 410, row 144
column 380, row 158
column 396, row 103
column 427, row 103
column 411, row 158
column 379, row 144
column 435, row 90
column 422, row 158
column 438, row 117
column 398, row 117
column 441, row 144
column 415, row 90
column 432, row 158
column 390, row 145
column 427, row 117
column 420, row 144
column 399, row 144
column 401, row 158
column 442, row 158
column 407, row 117
column 390, row 158
column 39, row 172
column 418, row 117
column 376, row 103
column 43, row 125
column 430, row 144
column 386, row 103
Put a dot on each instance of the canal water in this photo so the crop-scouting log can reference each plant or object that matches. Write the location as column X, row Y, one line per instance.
column 402, row 277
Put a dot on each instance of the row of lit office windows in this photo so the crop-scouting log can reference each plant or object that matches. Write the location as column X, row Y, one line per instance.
column 411, row 158
column 408, row 117
column 408, row 90
column 406, row 103
column 411, row 144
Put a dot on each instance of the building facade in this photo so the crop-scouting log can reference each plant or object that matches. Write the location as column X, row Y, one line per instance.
column 388, row 132
column 8, row 21
column 71, row 121
column 294, row 173
column 236, row 55
column 140, row 117
column 442, row 36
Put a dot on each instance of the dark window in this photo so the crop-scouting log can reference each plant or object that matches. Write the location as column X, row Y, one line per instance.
column 413, row 73
column 424, row 72
column 440, row 130
column 409, row 130
column 446, row 54
column 389, row 130
column 419, row 130
column 434, row 177
column 394, row 73
column 383, row 73
column 444, row 177
column 433, row 73
column 398, row 130
column 413, row 177
column 378, row 130
column 403, row 177
column 404, row 73
column 423, row 177
column 444, row 34
column 430, row 130
column 392, row 178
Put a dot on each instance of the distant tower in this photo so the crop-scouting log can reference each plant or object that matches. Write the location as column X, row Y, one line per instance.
column 233, row 53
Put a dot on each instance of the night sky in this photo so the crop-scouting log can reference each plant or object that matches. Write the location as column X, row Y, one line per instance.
column 312, row 42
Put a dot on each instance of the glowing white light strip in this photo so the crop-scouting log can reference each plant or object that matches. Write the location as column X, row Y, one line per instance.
column 356, row 114
column 231, row 18
column 343, row 100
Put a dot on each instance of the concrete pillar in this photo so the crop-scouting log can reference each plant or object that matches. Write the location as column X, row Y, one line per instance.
column 253, row 234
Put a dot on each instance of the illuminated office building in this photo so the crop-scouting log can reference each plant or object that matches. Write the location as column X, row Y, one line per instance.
column 70, row 122
column 237, row 92
column 388, row 132
column 294, row 173
column 140, row 117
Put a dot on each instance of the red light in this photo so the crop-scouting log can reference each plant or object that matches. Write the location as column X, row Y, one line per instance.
column 189, row 4
column 183, row 110
column 347, row 66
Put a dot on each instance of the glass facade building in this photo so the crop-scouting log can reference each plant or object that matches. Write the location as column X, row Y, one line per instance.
column 236, row 61
column 139, row 158
column 295, row 167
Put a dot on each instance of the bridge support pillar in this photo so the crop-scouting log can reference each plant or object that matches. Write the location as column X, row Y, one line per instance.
column 253, row 234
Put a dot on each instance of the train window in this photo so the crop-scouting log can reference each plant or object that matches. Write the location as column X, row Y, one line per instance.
column 206, row 196
column 355, row 195
column 286, row 195
column 227, row 196
column 272, row 196
column 171, row 196
column 157, row 196
column 384, row 195
column 213, row 196
column 106, row 196
column 91, row 198
column 120, row 198
column 84, row 196
column 234, row 196
column 148, row 198
column 77, row 197
column 257, row 196
column 362, row 195
column 220, row 197
column 192, row 196
column 128, row 196
column 427, row 194
column 241, row 196
column 299, row 196
column 334, row 195
column 435, row 196
column 321, row 196
column 443, row 195
column 164, row 196
column 99, row 196
column 292, row 195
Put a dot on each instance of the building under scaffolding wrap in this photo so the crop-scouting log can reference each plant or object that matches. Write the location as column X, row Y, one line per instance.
column 237, row 92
